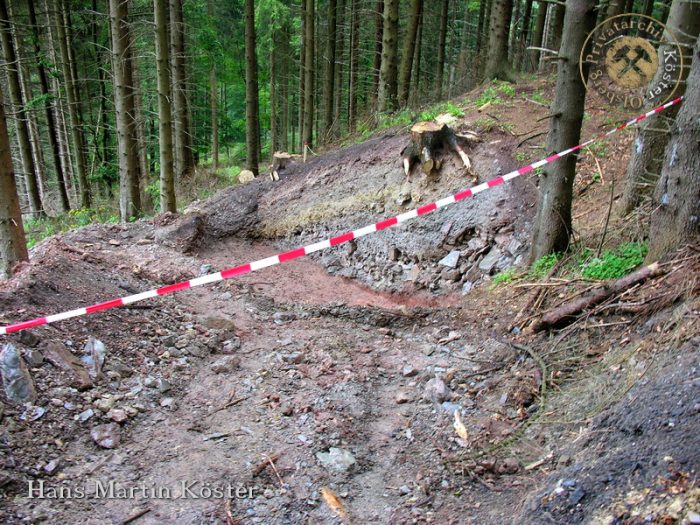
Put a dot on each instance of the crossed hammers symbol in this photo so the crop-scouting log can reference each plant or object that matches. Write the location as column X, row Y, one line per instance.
column 631, row 63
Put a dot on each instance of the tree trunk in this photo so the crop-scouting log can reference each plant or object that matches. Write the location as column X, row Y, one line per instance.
column 515, row 18
column 409, row 45
column 416, row 94
column 184, row 152
column 555, row 30
column 648, row 8
column 274, row 142
column 442, row 39
column 537, row 36
column 284, row 84
column 553, row 220
column 524, row 32
column 309, row 72
column 252, row 110
column 674, row 220
column 480, row 32
column 388, row 81
column 50, row 115
column 340, row 60
column 354, row 61
column 73, row 100
column 328, row 92
column 165, row 115
column 127, row 143
column 213, row 101
column 647, row 151
column 302, row 74
column 21, row 115
column 13, row 247
column 377, row 58
column 497, row 64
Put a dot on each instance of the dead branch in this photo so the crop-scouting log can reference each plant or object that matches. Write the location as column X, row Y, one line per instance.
column 567, row 311
column 260, row 467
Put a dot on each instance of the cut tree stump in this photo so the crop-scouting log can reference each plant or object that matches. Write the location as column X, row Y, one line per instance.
column 280, row 161
column 427, row 140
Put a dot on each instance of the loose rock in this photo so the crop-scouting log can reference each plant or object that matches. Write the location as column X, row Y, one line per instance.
column 337, row 459
column 451, row 260
column 106, row 436
column 436, row 391
column 226, row 364
column 19, row 386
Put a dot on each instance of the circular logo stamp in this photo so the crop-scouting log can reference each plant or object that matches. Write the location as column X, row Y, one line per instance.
column 632, row 59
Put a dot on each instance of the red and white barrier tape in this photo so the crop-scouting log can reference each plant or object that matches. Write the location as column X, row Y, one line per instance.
column 328, row 243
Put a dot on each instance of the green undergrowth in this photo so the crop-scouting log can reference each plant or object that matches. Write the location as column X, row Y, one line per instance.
column 581, row 263
column 36, row 230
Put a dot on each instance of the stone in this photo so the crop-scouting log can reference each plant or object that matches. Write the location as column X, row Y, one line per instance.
column 451, row 275
column 409, row 371
column 394, row 253
column 508, row 466
column 106, row 436
column 62, row 358
column 33, row 357
column 19, row 386
column 94, row 355
column 105, row 404
column 51, row 466
column 117, row 415
column 85, row 415
column 231, row 345
column 514, row 247
column 28, row 338
column 576, row 496
column 488, row 263
column 467, row 287
column 476, row 244
column 693, row 517
column 226, row 364
column 163, row 385
column 169, row 403
column 436, row 391
column 337, row 459
column 245, row 176
column 404, row 490
column 450, row 408
column 413, row 273
column 451, row 260
column 402, row 397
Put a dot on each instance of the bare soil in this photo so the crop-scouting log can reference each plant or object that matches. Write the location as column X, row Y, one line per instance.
column 368, row 348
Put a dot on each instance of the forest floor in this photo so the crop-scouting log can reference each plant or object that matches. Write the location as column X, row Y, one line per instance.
column 343, row 370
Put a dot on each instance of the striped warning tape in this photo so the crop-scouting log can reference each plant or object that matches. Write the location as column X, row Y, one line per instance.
column 328, row 243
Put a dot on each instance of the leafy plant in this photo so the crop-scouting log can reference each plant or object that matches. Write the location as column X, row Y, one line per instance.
column 489, row 95
column 613, row 264
column 520, row 156
column 485, row 124
column 505, row 277
column 543, row 265
column 506, row 89
column 539, row 97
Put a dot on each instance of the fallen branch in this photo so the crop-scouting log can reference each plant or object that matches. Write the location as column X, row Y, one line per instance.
column 269, row 460
column 567, row 311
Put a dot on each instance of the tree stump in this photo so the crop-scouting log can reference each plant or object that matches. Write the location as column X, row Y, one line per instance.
column 427, row 140
column 280, row 161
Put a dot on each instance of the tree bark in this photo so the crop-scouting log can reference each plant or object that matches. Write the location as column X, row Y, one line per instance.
column 538, row 35
column 553, row 220
column 416, row 94
column 302, row 74
column 13, row 246
column 184, row 152
column 50, row 113
column 328, row 92
column 377, row 58
column 555, row 30
column 340, row 60
column 676, row 216
column 524, row 33
column 309, row 72
column 252, row 110
column 21, row 115
column 354, row 61
column 213, row 101
column 409, row 45
column 388, row 81
column 646, row 157
column 73, row 100
column 165, row 116
column 284, row 85
column 124, row 103
column 442, row 39
column 497, row 65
